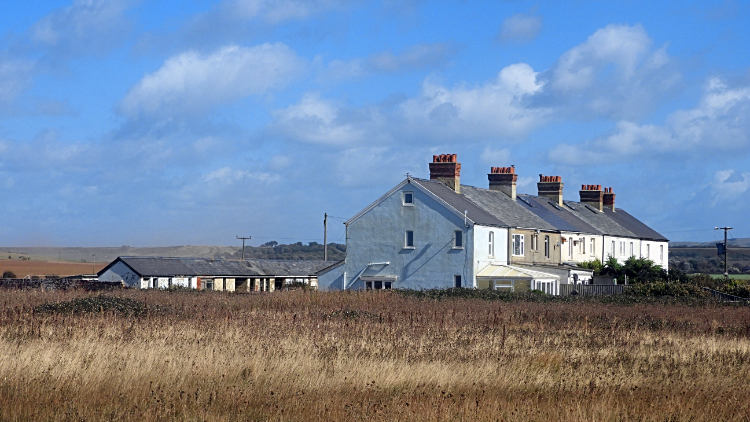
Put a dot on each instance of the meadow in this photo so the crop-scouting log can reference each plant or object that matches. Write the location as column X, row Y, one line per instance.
column 299, row 356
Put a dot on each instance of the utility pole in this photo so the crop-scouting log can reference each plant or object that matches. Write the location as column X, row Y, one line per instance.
column 243, row 245
column 723, row 248
column 325, row 237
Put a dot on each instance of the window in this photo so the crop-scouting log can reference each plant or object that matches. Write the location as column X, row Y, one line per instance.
column 593, row 247
column 582, row 248
column 457, row 281
column 661, row 253
column 631, row 249
column 534, row 246
column 491, row 246
column 518, row 245
column 378, row 285
column 570, row 247
column 612, row 253
column 409, row 240
column 408, row 199
column 546, row 246
column 648, row 251
column 458, row 239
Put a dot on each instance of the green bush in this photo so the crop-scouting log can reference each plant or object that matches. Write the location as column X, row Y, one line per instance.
column 9, row 274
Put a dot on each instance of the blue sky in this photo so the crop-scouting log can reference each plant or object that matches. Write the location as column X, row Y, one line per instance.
column 126, row 122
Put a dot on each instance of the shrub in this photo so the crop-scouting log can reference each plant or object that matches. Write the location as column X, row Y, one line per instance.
column 9, row 274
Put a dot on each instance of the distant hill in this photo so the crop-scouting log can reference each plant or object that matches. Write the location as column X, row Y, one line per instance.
column 270, row 250
column 741, row 242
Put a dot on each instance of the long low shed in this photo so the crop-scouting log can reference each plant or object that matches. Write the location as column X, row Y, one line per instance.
column 260, row 275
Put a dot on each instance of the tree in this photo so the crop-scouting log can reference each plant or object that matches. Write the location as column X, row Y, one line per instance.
column 594, row 265
column 9, row 274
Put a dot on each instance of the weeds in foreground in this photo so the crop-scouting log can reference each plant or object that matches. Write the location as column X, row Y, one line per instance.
column 302, row 355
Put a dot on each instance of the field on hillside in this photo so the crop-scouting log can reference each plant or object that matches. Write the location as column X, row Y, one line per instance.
column 42, row 268
column 299, row 356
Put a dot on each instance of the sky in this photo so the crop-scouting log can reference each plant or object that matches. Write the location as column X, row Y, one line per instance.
column 157, row 123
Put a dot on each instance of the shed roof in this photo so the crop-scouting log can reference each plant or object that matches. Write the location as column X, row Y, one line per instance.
column 507, row 271
column 170, row 267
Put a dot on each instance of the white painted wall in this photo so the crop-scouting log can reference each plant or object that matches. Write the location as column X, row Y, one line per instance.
column 480, row 249
column 121, row 272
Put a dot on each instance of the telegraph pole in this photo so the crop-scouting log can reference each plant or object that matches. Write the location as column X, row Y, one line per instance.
column 724, row 249
column 243, row 245
column 325, row 237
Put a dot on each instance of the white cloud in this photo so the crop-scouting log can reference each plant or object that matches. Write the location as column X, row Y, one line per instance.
column 495, row 109
column 86, row 26
column 415, row 57
column 317, row 121
column 720, row 122
column 275, row 11
column 614, row 73
column 495, row 157
column 15, row 77
column 192, row 82
column 520, row 28
column 228, row 176
column 725, row 189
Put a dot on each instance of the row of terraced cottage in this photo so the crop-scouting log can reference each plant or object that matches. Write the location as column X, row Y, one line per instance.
column 436, row 233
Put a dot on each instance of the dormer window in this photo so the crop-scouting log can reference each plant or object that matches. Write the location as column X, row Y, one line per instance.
column 408, row 199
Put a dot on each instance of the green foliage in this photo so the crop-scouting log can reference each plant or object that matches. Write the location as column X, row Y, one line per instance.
column 9, row 274
column 736, row 287
column 594, row 265
column 662, row 288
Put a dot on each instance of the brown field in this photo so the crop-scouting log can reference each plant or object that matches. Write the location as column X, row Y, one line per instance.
column 42, row 268
column 299, row 356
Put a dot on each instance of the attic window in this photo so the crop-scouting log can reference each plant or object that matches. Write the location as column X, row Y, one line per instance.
column 555, row 205
column 592, row 209
column 408, row 199
column 567, row 204
column 525, row 201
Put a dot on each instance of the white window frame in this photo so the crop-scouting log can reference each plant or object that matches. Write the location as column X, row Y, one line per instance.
column 373, row 285
column 518, row 243
column 406, row 240
column 632, row 249
column 570, row 247
column 593, row 247
column 612, row 252
column 648, row 251
column 547, row 246
column 661, row 253
column 491, row 245
column 458, row 239
column 404, row 196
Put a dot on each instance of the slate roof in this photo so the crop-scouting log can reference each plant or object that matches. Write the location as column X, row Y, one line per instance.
column 494, row 208
column 633, row 224
column 462, row 202
column 599, row 220
column 560, row 217
column 169, row 267
column 498, row 203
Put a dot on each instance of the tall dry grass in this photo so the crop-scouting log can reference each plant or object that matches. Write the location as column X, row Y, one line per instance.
column 370, row 356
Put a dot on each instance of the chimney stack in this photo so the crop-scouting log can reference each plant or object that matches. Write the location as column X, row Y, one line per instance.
column 446, row 168
column 551, row 187
column 592, row 195
column 609, row 199
column 504, row 179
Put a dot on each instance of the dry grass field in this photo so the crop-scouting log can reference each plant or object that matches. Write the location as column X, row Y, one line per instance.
column 369, row 356
column 43, row 268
